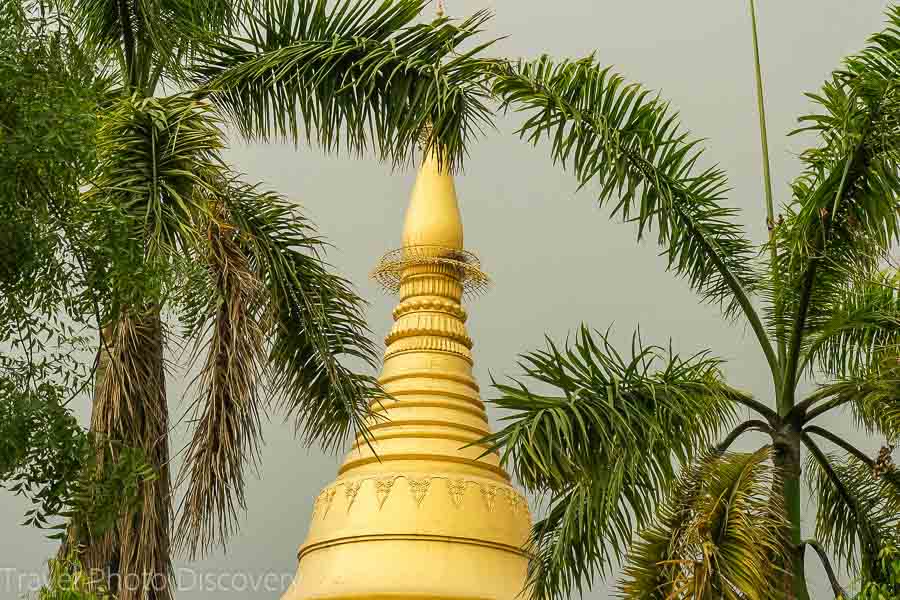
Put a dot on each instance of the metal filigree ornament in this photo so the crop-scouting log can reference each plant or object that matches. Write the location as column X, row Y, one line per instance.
column 393, row 265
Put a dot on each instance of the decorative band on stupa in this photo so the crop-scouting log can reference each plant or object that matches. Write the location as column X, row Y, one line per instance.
column 464, row 264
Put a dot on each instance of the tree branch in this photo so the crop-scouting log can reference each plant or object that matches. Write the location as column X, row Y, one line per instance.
column 740, row 430
column 838, row 441
column 799, row 410
column 824, row 408
column 839, row 591
column 770, row 415
column 826, row 466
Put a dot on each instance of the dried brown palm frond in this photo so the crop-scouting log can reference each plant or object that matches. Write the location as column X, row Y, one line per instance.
column 130, row 408
column 228, row 403
column 268, row 317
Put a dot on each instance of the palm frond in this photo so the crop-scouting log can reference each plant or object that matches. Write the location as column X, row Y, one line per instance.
column 857, row 511
column 844, row 215
column 357, row 74
column 873, row 396
column 863, row 329
column 583, row 528
column 151, row 37
column 317, row 323
column 229, row 401
column 625, row 140
column 719, row 535
column 614, row 433
column 653, row 569
column 156, row 158
column 130, row 407
column 99, row 22
column 267, row 307
column 278, row 326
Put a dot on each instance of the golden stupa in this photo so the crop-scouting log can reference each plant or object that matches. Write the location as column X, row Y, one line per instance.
column 424, row 516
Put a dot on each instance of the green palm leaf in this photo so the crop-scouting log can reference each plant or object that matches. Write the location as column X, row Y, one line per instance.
column 317, row 321
column 150, row 38
column 874, row 398
column 154, row 153
column 360, row 73
column 626, row 141
column 247, row 269
column 719, row 536
column 844, row 215
column 861, row 331
column 857, row 511
column 605, row 445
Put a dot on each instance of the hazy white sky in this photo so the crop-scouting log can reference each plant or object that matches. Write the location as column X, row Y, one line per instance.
column 556, row 260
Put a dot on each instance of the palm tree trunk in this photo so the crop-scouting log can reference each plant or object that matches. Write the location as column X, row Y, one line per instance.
column 787, row 462
column 130, row 410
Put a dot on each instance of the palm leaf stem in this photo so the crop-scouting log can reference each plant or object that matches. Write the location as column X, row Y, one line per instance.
column 733, row 283
column 736, row 287
column 789, row 381
column 556, row 109
column 839, row 441
column 159, row 69
column 740, row 430
column 822, row 459
column 827, row 406
column 767, row 179
column 802, row 409
column 836, row 587
column 743, row 299
column 763, row 131
column 770, row 415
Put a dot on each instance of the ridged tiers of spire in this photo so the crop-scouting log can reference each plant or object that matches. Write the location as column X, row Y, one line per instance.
column 417, row 512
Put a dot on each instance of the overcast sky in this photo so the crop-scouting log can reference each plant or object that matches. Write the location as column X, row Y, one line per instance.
column 555, row 259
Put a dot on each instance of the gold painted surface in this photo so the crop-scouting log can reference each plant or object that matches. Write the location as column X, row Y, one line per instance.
column 429, row 517
column 432, row 217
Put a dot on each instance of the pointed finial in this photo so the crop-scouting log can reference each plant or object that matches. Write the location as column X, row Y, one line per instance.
column 432, row 217
column 440, row 8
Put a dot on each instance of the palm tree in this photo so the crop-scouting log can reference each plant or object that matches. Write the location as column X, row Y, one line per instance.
column 631, row 448
column 186, row 254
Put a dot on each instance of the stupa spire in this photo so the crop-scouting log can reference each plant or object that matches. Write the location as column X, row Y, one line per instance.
column 432, row 217
column 418, row 510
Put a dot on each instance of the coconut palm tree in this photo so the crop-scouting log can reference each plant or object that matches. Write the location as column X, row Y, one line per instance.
column 186, row 254
column 631, row 447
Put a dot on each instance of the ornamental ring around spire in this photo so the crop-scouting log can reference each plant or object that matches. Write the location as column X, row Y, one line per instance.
column 391, row 268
